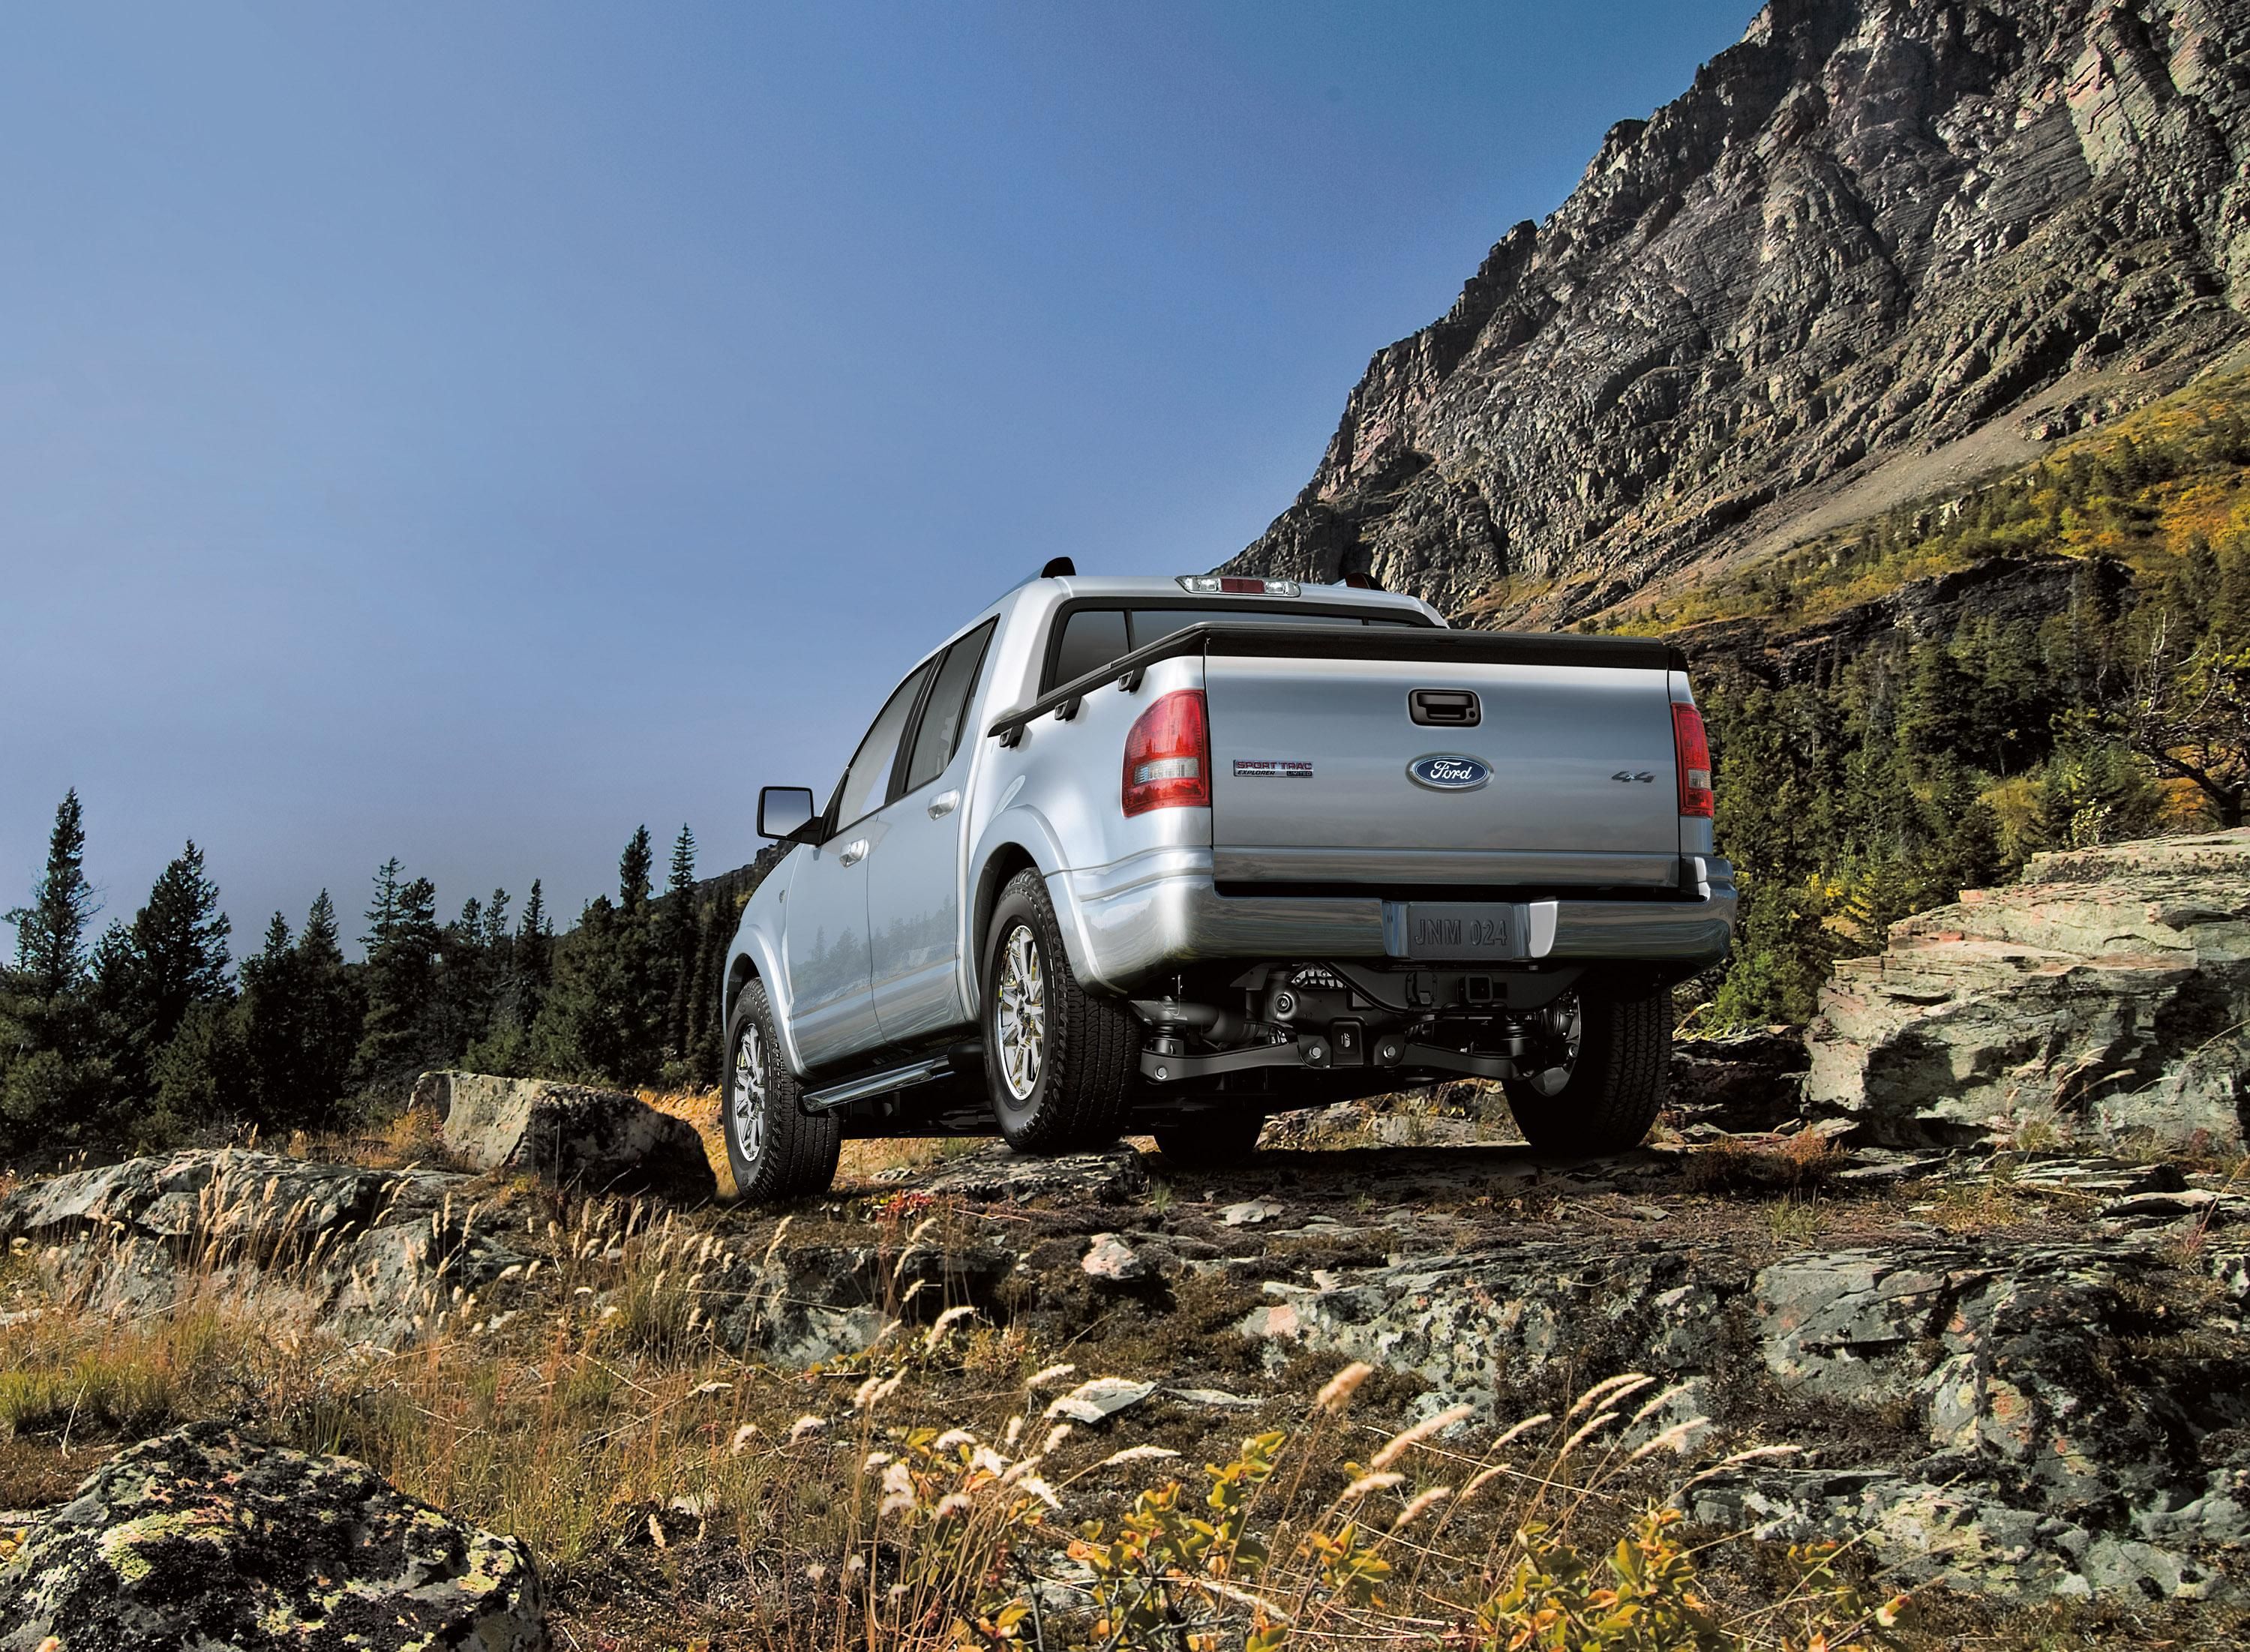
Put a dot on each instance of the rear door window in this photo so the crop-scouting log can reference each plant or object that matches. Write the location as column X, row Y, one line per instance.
column 939, row 735
column 866, row 783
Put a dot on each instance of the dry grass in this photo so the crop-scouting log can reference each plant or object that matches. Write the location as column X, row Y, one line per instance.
column 894, row 1498
column 1790, row 1164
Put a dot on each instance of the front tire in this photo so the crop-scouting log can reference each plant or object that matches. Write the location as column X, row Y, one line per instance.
column 1060, row 1061
column 1604, row 1099
column 778, row 1151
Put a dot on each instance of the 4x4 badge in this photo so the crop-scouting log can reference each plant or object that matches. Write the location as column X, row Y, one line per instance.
column 1448, row 772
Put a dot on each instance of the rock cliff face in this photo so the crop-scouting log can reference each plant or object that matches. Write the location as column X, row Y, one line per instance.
column 1876, row 242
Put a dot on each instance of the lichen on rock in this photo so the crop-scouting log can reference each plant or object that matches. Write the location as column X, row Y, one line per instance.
column 204, row 1537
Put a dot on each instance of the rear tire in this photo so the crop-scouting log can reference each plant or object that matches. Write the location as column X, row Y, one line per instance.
column 1612, row 1090
column 1210, row 1141
column 777, row 1150
column 1060, row 1061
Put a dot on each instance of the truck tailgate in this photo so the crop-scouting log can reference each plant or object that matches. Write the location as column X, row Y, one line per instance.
column 1323, row 774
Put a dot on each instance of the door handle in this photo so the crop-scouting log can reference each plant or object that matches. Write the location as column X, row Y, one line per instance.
column 854, row 852
column 943, row 804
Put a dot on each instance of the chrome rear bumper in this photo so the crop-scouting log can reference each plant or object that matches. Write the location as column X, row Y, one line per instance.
column 1157, row 910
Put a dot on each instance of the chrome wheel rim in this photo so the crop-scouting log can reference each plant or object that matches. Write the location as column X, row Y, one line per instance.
column 1021, row 1022
column 1550, row 1081
column 748, row 1094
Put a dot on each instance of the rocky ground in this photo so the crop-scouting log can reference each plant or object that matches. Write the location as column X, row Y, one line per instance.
column 2001, row 1366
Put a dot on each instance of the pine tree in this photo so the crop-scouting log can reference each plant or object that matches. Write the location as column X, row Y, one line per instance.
column 604, row 1016
column 677, row 937
column 402, row 944
column 160, row 982
column 496, row 936
column 271, row 1014
column 634, row 868
column 330, row 1015
column 596, row 1023
column 535, row 945
column 175, row 955
column 51, row 932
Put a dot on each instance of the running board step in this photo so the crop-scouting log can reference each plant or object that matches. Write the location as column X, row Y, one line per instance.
column 878, row 1084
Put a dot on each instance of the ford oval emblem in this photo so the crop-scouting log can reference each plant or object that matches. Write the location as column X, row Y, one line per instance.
column 1448, row 772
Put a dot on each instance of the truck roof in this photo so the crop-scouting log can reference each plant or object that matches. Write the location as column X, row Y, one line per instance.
column 1168, row 589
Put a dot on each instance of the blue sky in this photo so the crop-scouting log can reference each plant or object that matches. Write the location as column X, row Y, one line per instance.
column 465, row 432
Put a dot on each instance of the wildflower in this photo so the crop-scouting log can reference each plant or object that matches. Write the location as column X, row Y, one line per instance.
column 805, row 1426
column 1054, row 1374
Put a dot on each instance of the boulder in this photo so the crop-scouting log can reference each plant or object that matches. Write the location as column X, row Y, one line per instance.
column 366, row 1254
column 571, row 1135
column 2103, row 999
column 203, row 1539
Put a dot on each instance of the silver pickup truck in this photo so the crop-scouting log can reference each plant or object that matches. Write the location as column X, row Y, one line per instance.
column 1169, row 854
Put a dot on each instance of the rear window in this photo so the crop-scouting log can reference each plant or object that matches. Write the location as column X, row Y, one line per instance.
column 1091, row 637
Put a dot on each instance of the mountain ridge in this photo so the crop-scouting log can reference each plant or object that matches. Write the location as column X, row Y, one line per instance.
column 1876, row 242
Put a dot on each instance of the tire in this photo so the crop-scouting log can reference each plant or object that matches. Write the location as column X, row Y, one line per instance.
column 777, row 1149
column 1210, row 1141
column 1060, row 1061
column 1611, row 1094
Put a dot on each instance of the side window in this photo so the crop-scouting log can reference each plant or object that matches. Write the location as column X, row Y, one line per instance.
column 866, row 783
column 1091, row 638
column 939, row 737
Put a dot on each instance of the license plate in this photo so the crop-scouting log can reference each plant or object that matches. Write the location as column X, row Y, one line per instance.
column 1455, row 931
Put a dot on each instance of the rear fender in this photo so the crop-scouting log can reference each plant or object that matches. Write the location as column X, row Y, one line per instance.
column 1017, row 834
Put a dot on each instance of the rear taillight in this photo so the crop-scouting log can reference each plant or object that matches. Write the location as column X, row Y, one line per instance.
column 1694, row 753
column 1168, row 755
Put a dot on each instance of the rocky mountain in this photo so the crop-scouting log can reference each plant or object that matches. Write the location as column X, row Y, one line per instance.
column 1878, row 247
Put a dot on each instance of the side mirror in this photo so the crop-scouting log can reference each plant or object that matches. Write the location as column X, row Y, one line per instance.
column 784, row 811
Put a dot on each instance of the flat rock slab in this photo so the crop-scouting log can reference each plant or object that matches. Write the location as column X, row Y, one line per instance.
column 2073, row 1407
column 603, row 1142
column 365, row 1254
column 995, row 1174
column 201, row 1538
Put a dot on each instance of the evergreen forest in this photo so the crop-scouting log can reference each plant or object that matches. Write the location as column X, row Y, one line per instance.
column 152, row 1032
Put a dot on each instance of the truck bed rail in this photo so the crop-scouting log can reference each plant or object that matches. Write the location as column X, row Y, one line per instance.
column 1399, row 642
